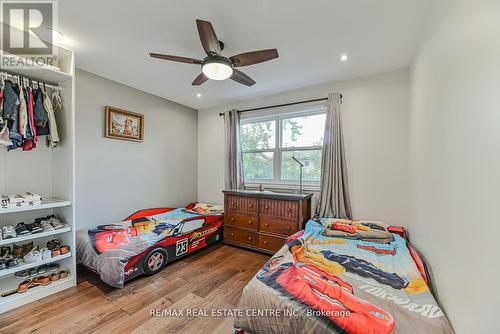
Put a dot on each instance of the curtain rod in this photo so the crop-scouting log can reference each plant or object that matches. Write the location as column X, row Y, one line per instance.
column 284, row 105
column 16, row 77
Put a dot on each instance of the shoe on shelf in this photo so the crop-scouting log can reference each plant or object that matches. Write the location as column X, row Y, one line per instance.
column 32, row 272
column 8, row 232
column 5, row 252
column 11, row 263
column 24, row 286
column 42, row 269
column 53, row 244
column 56, row 222
column 22, row 229
column 64, row 249
column 46, row 253
column 22, row 274
column 45, row 224
column 53, row 267
column 35, row 227
column 41, row 280
column 33, row 256
column 21, row 251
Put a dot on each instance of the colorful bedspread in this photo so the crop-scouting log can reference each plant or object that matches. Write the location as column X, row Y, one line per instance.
column 322, row 284
column 107, row 249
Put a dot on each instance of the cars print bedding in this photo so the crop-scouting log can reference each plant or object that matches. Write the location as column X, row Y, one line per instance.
column 117, row 251
column 319, row 283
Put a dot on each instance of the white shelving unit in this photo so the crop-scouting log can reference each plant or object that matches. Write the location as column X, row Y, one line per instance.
column 48, row 172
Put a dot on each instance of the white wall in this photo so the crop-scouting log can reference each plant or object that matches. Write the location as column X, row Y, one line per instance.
column 114, row 178
column 455, row 150
column 375, row 130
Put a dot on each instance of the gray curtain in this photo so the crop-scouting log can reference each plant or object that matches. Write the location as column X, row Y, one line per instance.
column 333, row 198
column 232, row 148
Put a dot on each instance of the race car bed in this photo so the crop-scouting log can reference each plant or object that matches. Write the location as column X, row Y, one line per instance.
column 341, row 277
column 147, row 240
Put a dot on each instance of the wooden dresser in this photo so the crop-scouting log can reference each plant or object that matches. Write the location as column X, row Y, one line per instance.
column 262, row 220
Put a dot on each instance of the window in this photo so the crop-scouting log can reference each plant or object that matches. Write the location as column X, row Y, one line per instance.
column 269, row 141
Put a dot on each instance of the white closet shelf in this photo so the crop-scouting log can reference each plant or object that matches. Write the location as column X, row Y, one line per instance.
column 24, row 266
column 33, row 236
column 46, row 204
column 42, row 72
column 33, row 293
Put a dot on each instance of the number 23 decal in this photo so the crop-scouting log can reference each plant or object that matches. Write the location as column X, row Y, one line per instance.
column 181, row 247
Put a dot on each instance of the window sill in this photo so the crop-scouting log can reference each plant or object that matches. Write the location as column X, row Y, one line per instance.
column 281, row 186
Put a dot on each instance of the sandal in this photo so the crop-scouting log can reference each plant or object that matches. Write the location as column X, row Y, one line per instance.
column 41, row 280
column 56, row 252
column 54, row 277
column 53, row 244
column 63, row 274
column 33, row 272
column 24, row 286
column 42, row 269
column 64, row 249
column 21, row 251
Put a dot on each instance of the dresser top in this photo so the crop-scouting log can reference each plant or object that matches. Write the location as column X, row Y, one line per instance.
column 269, row 194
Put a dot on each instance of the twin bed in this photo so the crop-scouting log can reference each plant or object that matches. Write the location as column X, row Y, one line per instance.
column 322, row 281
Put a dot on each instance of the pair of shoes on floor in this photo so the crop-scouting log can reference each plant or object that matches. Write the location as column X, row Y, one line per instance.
column 41, row 280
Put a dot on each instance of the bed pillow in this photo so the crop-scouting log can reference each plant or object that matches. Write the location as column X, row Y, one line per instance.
column 207, row 209
column 367, row 230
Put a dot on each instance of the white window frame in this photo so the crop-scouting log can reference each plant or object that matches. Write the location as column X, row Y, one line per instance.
column 276, row 182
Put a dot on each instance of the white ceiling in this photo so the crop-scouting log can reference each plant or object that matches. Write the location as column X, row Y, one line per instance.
column 112, row 39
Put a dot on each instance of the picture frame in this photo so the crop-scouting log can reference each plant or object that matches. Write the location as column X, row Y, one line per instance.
column 123, row 124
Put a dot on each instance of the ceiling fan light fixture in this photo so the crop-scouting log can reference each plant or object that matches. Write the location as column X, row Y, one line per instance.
column 217, row 69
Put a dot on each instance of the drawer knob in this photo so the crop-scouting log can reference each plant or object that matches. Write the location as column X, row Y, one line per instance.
column 232, row 219
column 233, row 204
column 267, row 224
column 232, row 234
column 288, row 210
column 288, row 228
column 250, row 205
column 267, row 206
column 249, row 238
column 265, row 242
column 249, row 222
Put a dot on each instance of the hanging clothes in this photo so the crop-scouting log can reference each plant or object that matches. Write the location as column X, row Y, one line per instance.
column 30, row 142
column 23, row 113
column 53, row 137
column 41, row 116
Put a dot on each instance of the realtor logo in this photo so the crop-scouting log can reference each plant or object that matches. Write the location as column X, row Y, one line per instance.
column 27, row 27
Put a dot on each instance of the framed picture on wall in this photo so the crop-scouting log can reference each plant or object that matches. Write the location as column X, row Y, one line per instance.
column 123, row 124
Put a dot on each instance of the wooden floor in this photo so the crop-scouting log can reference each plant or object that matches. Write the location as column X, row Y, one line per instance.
column 211, row 278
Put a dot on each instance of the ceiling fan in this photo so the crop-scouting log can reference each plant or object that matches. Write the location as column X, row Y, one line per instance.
column 217, row 67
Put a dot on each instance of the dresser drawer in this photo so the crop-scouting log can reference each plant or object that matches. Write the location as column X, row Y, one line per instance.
column 269, row 243
column 278, row 226
column 241, row 236
column 277, row 208
column 241, row 220
column 241, row 204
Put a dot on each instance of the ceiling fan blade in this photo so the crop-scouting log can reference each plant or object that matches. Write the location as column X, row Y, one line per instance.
column 242, row 78
column 199, row 80
column 176, row 58
column 255, row 57
column 208, row 37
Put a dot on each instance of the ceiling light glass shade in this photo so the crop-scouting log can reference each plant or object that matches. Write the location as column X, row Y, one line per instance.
column 217, row 70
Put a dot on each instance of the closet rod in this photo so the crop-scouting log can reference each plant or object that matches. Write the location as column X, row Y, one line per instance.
column 15, row 77
column 284, row 105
